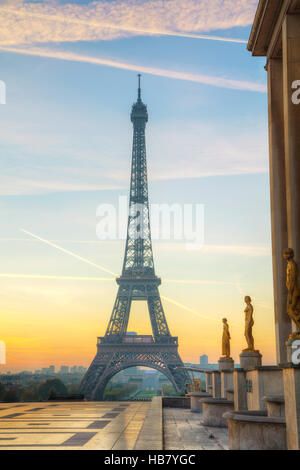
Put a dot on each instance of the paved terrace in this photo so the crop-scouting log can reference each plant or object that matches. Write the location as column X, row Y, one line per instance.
column 104, row 426
column 184, row 430
column 63, row 426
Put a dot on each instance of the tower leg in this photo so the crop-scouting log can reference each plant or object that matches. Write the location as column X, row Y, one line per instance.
column 157, row 316
column 120, row 314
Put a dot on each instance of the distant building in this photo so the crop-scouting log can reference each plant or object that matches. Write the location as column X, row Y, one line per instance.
column 204, row 360
column 163, row 379
column 64, row 370
column 132, row 371
column 81, row 369
column 73, row 370
column 25, row 372
column 150, row 379
column 48, row 370
column 136, row 380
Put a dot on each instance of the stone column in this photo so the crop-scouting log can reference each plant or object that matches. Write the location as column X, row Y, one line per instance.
column 208, row 382
column 226, row 368
column 226, row 383
column 291, row 75
column 216, row 384
column 240, row 391
column 291, row 379
column 278, row 204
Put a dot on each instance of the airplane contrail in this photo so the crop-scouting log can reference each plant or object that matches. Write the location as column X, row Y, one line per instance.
column 197, row 281
column 43, row 276
column 210, row 80
column 191, row 310
column 130, row 29
column 54, row 245
column 105, row 279
column 188, row 309
column 68, row 252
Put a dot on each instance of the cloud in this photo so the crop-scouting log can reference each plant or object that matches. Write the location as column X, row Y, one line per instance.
column 204, row 150
column 11, row 186
column 236, row 250
column 64, row 278
column 108, row 279
column 190, row 150
column 250, row 251
column 220, row 82
column 30, row 22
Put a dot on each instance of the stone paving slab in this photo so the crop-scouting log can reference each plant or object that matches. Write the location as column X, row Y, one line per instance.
column 151, row 433
column 184, row 430
column 65, row 425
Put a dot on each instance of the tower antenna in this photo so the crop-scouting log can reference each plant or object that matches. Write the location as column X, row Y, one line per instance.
column 139, row 89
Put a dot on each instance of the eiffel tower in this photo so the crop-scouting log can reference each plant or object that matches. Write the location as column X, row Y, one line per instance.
column 117, row 350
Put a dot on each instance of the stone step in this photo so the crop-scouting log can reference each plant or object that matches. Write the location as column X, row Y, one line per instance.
column 275, row 406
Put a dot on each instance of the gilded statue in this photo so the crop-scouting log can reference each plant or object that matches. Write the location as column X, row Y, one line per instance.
column 249, row 322
column 226, row 339
column 293, row 300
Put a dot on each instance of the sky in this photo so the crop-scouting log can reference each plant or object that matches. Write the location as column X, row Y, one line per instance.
column 70, row 73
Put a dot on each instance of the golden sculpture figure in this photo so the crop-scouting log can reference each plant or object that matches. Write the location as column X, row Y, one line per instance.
column 226, row 339
column 249, row 322
column 293, row 301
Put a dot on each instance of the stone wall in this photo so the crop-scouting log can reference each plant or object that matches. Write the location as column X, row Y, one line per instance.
column 176, row 402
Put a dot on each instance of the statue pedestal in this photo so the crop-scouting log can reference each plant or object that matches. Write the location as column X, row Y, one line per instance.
column 249, row 359
column 196, row 397
column 213, row 410
column 226, row 364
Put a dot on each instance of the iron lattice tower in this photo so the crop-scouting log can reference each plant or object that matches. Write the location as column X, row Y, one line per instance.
column 117, row 350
